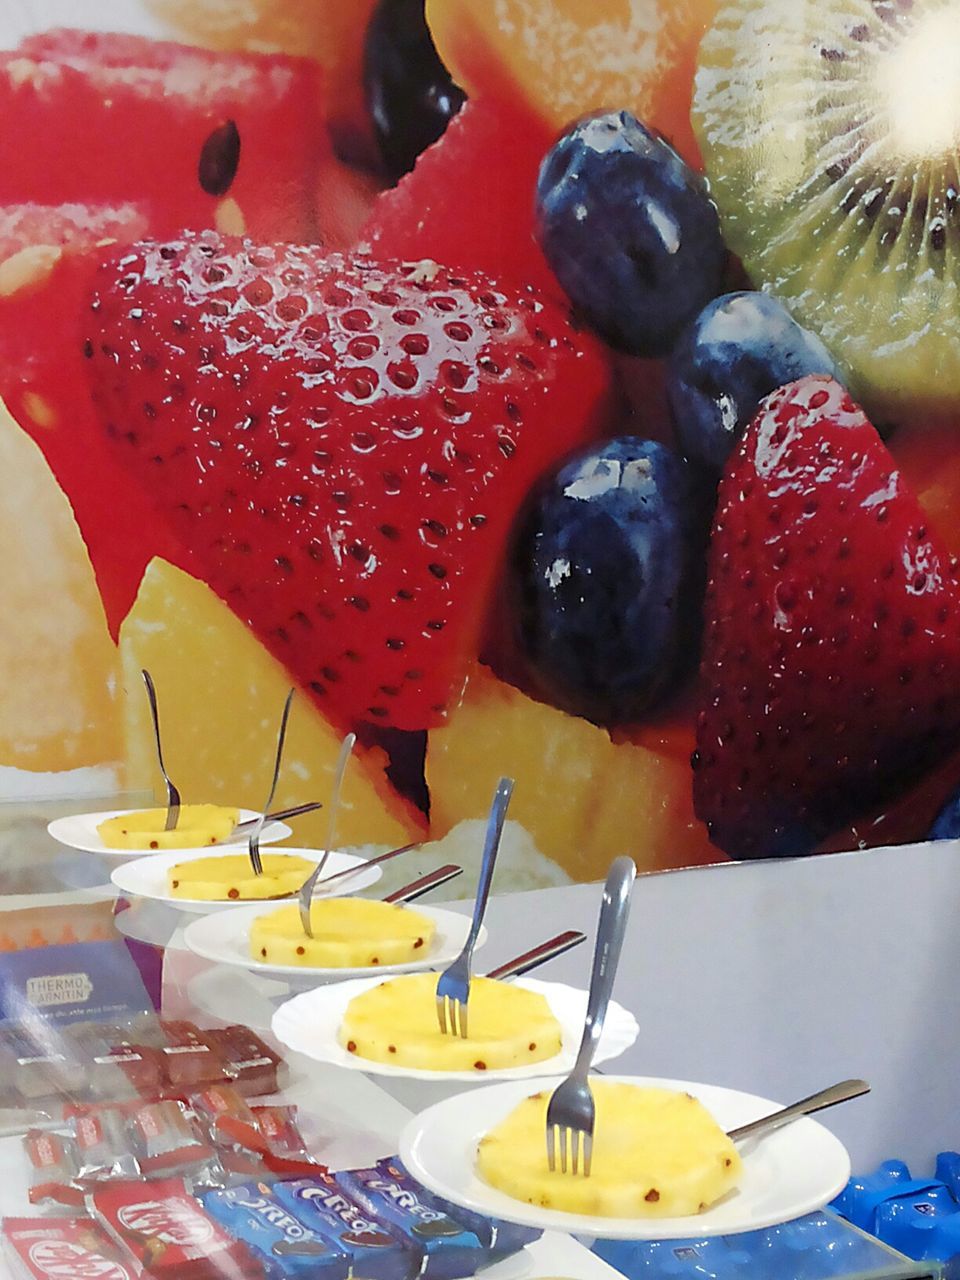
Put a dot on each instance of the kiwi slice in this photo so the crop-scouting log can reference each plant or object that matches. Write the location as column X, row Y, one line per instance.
column 830, row 132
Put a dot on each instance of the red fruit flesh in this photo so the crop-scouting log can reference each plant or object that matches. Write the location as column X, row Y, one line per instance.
column 830, row 678
column 104, row 118
column 343, row 444
column 469, row 203
column 44, row 384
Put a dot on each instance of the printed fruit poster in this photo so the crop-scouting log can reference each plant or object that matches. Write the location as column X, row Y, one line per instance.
column 565, row 389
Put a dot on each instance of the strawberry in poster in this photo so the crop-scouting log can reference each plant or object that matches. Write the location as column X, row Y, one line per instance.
column 558, row 390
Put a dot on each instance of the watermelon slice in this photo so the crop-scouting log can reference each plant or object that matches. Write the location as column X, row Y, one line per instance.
column 45, row 269
column 469, row 203
column 200, row 138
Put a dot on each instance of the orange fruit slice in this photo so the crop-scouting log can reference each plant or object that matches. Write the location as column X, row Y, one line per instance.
column 570, row 57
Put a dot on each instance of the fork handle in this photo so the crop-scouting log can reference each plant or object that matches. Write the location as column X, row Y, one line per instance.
column 841, row 1092
column 539, row 955
column 611, row 928
column 491, row 844
column 424, row 884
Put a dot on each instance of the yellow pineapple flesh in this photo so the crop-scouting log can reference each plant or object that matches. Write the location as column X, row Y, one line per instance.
column 58, row 665
column 583, row 798
column 657, row 1153
column 348, row 933
column 198, row 825
column 396, row 1022
column 221, row 695
column 230, row 877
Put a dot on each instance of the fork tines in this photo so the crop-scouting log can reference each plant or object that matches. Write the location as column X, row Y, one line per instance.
column 452, row 1013
column 559, row 1135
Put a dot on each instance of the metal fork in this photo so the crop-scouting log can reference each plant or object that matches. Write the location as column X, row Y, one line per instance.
column 306, row 889
column 253, row 844
column 538, row 955
column 278, row 815
column 571, row 1114
column 173, row 795
column 423, row 884
column 453, row 987
column 819, row 1101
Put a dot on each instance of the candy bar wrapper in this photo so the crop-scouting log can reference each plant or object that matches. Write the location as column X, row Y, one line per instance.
column 375, row 1253
column 116, row 1068
column 252, row 1213
column 269, row 1133
column 169, row 1234
column 501, row 1238
column 167, row 1140
column 219, row 1102
column 102, row 1144
column 53, row 1168
column 66, row 1249
column 449, row 1249
column 255, row 1068
column 39, row 1071
column 190, row 1057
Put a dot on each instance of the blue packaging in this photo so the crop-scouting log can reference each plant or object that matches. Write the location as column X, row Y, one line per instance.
column 449, row 1249
column 923, row 1226
column 501, row 1238
column 253, row 1214
column 374, row 1252
column 863, row 1195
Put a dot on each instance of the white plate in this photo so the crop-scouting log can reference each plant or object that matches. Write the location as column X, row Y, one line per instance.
column 79, row 831
column 224, row 938
column 788, row 1173
column 147, row 877
column 309, row 1022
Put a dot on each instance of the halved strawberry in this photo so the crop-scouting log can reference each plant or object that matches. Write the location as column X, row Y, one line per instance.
column 831, row 666
column 202, row 139
column 342, row 444
column 47, row 258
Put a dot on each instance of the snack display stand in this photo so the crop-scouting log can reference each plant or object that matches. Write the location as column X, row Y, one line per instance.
column 706, row 1009
column 473, row 374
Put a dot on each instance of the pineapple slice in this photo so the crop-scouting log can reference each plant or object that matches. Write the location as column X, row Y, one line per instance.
column 396, row 1022
column 583, row 798
column 230, row 877
column 197, row 826
column 220, row 696
column 656, row 1154
column 349, row 933
column 58, row 665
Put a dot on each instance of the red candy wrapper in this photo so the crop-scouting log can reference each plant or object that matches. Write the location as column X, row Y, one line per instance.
column 102, row 1144
column 169, row 1234
column 53, row 1168
column 254, row 1066
column 166, row 1140
column 278, row 1125
column 190, row 1057
column 67, row 1249
column 271, row 1133
column 219, row 1102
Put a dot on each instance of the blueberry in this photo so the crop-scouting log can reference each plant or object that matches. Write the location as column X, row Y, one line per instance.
column 629, row 230
column 739, row 348
column 606, row 570
column 946, row 825
column 410, row 95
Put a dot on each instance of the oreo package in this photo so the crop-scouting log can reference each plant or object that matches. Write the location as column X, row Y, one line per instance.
column 375, row 1253
column 253, row 1214
column 449, row 1249
column 501, row 1238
